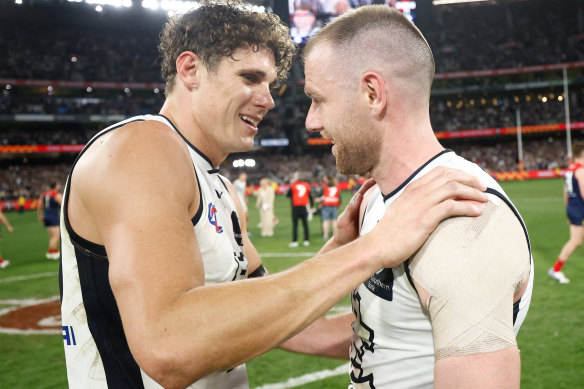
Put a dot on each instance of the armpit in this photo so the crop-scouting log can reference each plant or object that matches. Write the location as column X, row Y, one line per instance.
column 471, row 268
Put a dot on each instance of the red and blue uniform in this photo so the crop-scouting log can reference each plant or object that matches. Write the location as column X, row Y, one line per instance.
column 51, row 208
column 575, row 207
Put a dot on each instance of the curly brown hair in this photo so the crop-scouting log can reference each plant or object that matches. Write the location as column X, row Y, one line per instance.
column 216, row 30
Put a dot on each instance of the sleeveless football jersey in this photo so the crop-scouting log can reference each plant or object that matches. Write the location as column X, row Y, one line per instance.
column 51, row 205
column 96, row 350
column 392, row 344
column 573, row 187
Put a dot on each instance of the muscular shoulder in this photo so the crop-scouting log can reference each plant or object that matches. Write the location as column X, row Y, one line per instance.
column 135, row 148
column 470, row 269
column 494, row 240
column 138, row 161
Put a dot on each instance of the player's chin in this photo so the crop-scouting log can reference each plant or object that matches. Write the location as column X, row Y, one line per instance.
column 245, row 144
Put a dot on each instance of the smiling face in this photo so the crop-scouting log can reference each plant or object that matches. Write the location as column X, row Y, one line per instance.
column 229, row 103
column 337, row 113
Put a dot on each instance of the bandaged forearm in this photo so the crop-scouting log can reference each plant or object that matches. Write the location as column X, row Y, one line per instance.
column 472, row 268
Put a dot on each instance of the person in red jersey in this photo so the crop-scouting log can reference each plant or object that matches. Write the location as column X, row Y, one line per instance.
column 48, row 214
column 299, row 192
column 330, row 202
column 6, row 223
column 573, row 192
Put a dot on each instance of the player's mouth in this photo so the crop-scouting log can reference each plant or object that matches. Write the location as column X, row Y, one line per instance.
column 325, row 136
column 251, row 121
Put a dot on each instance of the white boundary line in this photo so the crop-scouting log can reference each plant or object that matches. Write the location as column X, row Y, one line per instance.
column 307, row 378
column 28, row 277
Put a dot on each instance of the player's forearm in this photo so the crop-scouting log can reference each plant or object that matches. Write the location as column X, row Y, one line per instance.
column 330, row 245
column 215, row 328
column 328, row 336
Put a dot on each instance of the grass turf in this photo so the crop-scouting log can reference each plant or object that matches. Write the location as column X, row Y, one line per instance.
column 551, row 339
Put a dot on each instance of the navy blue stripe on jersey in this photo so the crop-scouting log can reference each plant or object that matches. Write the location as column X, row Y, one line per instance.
column 105, row 323
column 224, row 184
column 199, row 213
column 213, row 171
column 403, row 184
column 186, row 140
column 510, row 205
column 408, row 274
column 516, row 310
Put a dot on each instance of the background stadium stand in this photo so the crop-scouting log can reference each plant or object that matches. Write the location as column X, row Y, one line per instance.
column 69, row 71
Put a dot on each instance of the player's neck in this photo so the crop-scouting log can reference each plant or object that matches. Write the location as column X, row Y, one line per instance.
column 179, row 116
column 399, row 160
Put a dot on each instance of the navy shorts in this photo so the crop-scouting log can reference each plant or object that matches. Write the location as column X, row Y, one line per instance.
column 329, row 213
column 51, row 220
column 576, row 215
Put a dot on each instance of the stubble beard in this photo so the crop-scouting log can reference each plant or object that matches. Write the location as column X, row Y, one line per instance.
column 358, row 156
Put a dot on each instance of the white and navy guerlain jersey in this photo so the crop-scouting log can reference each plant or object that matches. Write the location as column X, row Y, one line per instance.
column 96, row 350
column 392, row 344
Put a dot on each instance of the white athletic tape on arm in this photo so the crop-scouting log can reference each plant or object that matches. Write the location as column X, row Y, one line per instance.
column 471, row 268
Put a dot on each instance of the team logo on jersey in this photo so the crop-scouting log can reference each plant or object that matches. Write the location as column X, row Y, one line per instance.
column 213, row 218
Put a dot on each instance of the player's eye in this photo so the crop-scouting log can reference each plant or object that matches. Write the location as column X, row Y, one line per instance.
column 250, row 78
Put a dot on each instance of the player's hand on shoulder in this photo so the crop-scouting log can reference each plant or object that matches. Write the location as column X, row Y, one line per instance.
column 440, row 194
column 348, row 220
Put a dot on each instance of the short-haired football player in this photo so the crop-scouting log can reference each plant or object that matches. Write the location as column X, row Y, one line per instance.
column 447, row 317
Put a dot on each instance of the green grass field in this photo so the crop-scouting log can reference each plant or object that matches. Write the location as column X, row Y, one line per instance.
column 551, row 339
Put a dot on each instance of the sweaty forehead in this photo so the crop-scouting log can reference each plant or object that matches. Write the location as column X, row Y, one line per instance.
column 325, row 70
column 316, row 68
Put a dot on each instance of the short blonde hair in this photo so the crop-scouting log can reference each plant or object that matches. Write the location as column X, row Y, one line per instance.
column 381, row 36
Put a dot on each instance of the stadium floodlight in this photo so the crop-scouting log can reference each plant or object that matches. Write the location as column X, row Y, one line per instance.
column 172, row 7
column 250, row 162
column 444, row 2
column 177, row 6
column 150, row 4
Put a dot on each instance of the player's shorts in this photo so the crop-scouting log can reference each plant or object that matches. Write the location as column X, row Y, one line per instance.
column 329, row 213
column 51, row 220
column 576, row 215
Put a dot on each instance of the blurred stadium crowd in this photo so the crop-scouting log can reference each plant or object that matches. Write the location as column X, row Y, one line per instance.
column 81, row 47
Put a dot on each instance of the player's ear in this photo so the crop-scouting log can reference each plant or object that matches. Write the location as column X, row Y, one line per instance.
column 189, row 69
column 373, row 87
